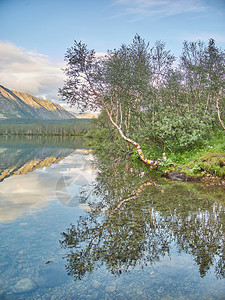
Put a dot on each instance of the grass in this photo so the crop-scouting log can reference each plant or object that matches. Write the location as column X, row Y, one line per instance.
column 209, row 159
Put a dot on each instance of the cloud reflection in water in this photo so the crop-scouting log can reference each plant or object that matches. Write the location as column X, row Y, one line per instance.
column 26, row 194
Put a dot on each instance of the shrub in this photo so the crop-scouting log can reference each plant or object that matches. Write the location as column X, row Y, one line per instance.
column 176, row 132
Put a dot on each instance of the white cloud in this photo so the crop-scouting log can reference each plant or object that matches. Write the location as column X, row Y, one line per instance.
column 31, row 192
column 33, row 73
column 205, row 36
column 139, row 9
column 30, row 72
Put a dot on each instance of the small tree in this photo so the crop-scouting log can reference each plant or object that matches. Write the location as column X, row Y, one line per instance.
column 203, row 70
column 192, row 63
column 215, row 69
column 118, row 83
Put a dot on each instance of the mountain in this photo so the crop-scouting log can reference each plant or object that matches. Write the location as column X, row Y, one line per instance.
column 21, row 105
column 86, row 116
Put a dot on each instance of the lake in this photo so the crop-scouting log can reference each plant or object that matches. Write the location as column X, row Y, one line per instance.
column 73, row 226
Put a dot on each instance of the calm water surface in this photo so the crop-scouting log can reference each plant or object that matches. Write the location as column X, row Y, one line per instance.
column 74, row 229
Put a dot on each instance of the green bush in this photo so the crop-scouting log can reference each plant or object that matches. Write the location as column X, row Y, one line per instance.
column 177, row 132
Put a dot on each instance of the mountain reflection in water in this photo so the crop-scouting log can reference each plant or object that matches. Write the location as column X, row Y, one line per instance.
column 137, row 221
column 22, row 155
column 33, row 190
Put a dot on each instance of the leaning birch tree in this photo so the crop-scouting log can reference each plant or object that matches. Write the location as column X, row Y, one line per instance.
column 118, row 83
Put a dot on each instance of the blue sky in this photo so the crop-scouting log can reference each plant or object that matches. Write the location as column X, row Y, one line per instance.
column 35, row 34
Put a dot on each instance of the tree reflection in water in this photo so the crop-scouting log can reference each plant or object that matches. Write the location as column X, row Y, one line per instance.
column 127, row 228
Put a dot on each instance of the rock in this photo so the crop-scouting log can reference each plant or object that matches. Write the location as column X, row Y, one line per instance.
column 180, row 176
column 213, row 180
column 110, row 289
column 24, row 285
column 206, row 178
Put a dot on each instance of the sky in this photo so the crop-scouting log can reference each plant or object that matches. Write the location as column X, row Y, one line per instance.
column 35, row 34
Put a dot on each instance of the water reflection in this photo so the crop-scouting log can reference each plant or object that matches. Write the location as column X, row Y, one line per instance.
column 37, row 184
column 20, row 155
column 134, row 224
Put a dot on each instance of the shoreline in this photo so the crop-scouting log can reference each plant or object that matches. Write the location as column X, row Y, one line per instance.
column 207, row 179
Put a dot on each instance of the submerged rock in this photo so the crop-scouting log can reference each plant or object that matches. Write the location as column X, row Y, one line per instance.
column 24, row 285
column 110, row 288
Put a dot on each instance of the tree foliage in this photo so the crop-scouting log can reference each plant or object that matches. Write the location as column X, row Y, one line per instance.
column 76, row 128
column 145, row 95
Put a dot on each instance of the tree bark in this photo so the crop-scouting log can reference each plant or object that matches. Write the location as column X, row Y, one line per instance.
column 218, row 112
column 153, row 163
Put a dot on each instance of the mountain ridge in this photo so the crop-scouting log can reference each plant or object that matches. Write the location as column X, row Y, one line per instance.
column 14, row 104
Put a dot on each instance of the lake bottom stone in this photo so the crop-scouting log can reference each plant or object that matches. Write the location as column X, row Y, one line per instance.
column 24, row 285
